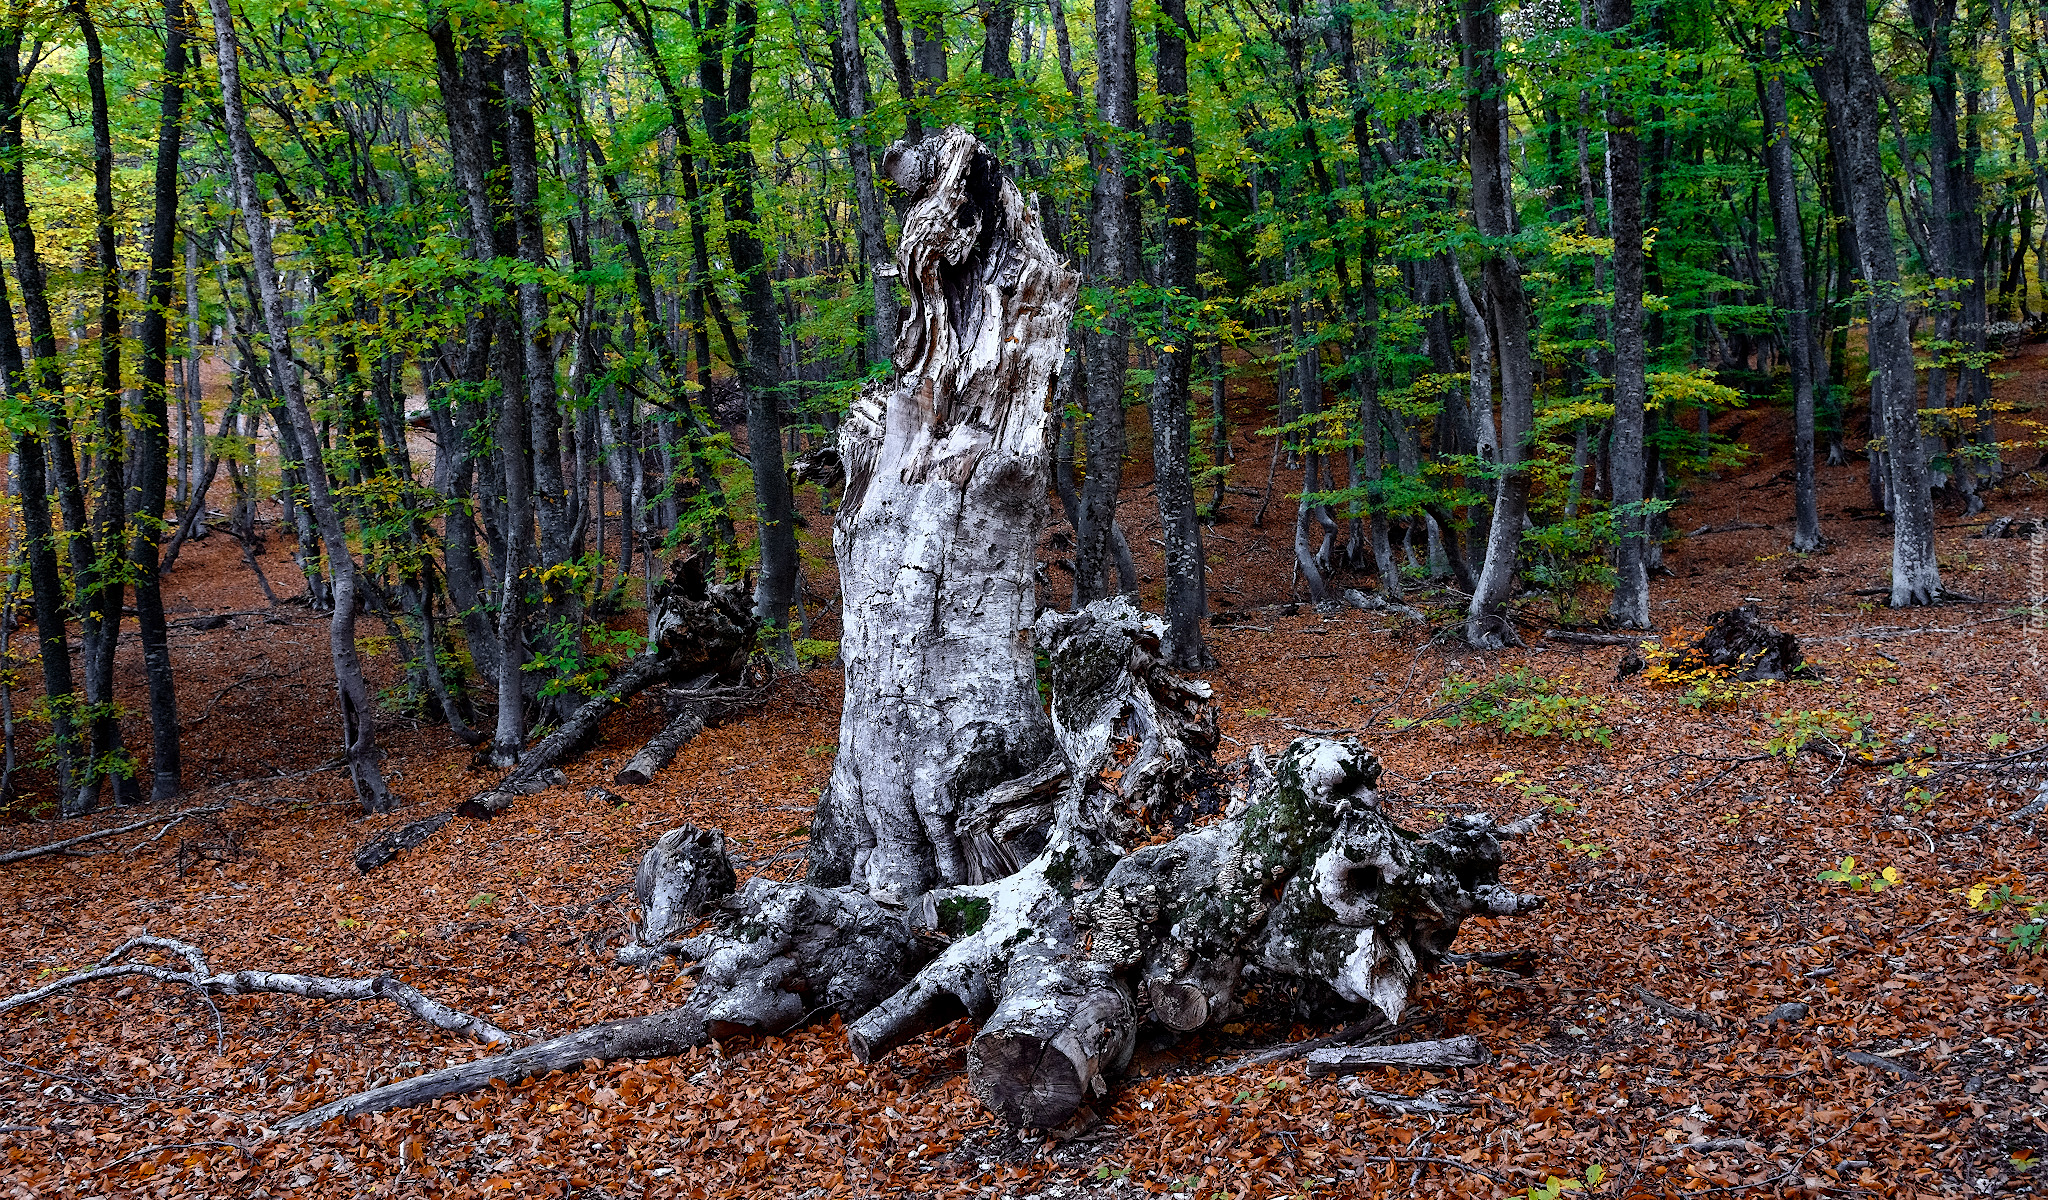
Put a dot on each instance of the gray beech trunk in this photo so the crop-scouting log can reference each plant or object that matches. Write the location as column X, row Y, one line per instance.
column 357, row 714
column 1187, row 601
column 1916, row 577
column 152, row 435
column 874, row 235
column 1630, row 608
column 1487, row 624
column 1112, row 263
column 937, row 534
column 1782, row 180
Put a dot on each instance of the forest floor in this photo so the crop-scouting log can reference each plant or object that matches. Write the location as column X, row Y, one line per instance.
column 1682, row 873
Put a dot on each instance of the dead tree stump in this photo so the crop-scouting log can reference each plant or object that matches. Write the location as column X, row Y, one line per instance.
column 971, row 856
column 1744, row 644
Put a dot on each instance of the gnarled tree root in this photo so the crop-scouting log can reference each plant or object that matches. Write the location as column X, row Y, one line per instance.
column 782, row 954
column 242, row 983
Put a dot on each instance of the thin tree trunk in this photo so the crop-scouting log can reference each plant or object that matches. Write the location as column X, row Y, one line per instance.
column 1187, row 601
column 1916, row 577
column 1782, row 179
column 358, row 715
column 1630, row 608
column 1487, row 624
column 1112, row 254
column 101, row 586
column 152, row 433
column 874, row 241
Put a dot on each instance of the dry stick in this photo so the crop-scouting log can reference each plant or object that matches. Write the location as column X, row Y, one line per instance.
column 15, row 856
column 237, row 983
column 237, row 1146
column 657, row 1035
column 1442, row 1162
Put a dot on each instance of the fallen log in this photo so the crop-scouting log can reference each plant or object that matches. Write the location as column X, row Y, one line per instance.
column 702, row 633
column 695, row 710
column 15, row 856
column 1579, row 638
column 1461, row 1051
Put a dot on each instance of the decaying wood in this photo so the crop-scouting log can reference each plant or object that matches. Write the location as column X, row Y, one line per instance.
column 1365, row 602
column 655, row 1036
column 392, row 842
column 1435, row 1102
column 242, row 983
column 699, row 630
column 694, row 710
column 15, row 856
column 937, row 535
column 1744, row 644
column 1461, row 1051
column 971, row 855
column 702, row 633
column 1581, row 638
column 685, row 872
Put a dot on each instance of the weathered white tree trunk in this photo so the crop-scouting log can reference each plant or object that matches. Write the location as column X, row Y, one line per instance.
column 938, row 533
column 972, row 855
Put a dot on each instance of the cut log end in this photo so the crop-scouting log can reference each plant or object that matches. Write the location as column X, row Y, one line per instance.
column 1026, row 1080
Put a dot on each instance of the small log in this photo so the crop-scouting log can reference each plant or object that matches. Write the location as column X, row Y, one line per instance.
column 532, row 773
column 1380, row 604
column 1462, row 1051
column 1577, row 638
column 1435, row 1102
column 696, row 710
column 15, row 856
column 1065, row 1026
column 389, row 844
column 662, row 748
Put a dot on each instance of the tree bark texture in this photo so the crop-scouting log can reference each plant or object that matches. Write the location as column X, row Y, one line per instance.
column 1187, row 601
column 1916, row 577
column 937, row 534
column 1782, row 181
column 1630, row 607
column 1112, row 263
column 357, row 711
column 1487, row 625
column 152, row 433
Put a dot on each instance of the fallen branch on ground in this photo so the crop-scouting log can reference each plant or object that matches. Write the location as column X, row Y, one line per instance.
column 1461, row 1051
column 1577, row 638
column 695, row 708
column 241, row 983
column 15, row 856
column 702, row 633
